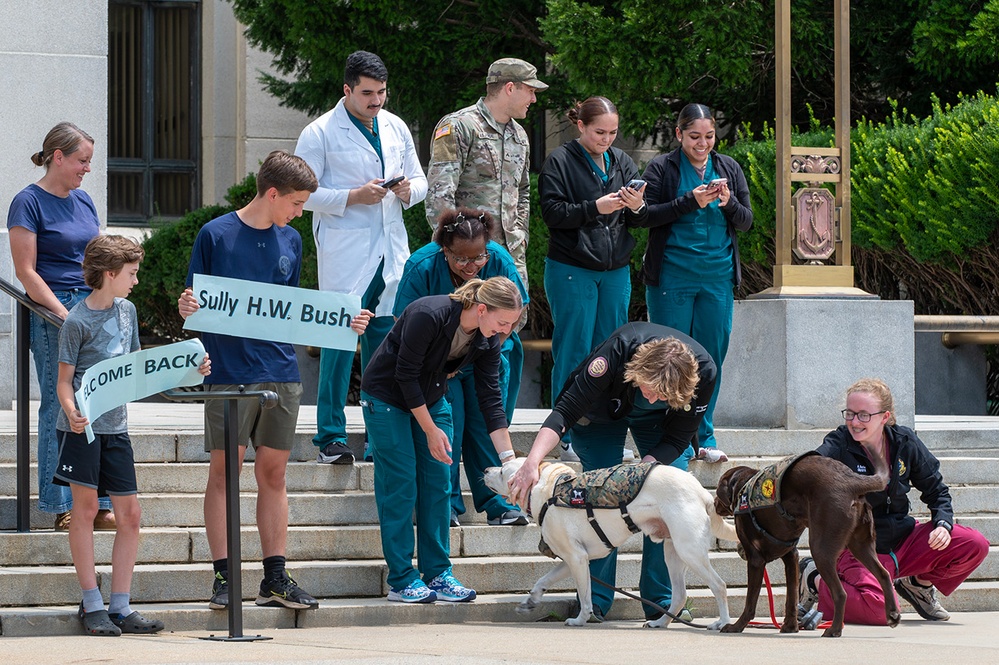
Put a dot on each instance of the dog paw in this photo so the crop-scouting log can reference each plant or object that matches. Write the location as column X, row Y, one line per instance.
column 830, row 632
column 731, row 628
column 718, row 625
column 789, row 627
column 576, row 621
column 893, row 619
column 526, row 606
column 658, row 623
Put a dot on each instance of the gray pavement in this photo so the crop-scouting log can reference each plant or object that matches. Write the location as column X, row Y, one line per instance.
column 968, row 638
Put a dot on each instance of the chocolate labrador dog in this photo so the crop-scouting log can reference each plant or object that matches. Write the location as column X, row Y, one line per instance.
column 828, row 498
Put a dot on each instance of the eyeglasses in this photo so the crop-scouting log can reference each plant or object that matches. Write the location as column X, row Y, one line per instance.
column 462, row 261
column 863, row 417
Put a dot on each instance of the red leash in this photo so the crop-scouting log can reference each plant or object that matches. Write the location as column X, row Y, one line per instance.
column 773, row 615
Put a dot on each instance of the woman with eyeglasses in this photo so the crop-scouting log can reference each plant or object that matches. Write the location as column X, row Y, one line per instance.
column 921, row 556
column 589, row 200
column 461, row 250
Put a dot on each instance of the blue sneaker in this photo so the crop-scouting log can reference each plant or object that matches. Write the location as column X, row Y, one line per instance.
column 416, row 592
column 449, row 589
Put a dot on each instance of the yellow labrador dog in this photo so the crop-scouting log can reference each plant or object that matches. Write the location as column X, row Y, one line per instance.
column 671, row 508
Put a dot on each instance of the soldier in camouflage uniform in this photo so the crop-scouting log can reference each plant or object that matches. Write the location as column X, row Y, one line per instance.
column 480, row 157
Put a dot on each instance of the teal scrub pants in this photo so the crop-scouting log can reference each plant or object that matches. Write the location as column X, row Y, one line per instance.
column 335, row 367
column 599, row 447
column 471, row 444
column 587, row 306
column 703, row 311
column 407, row 477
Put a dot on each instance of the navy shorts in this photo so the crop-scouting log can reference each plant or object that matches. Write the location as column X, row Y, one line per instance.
column 106, row 465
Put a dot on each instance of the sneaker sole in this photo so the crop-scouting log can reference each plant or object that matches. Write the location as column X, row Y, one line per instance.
column 455, row 599
column 212, row 605
column 904, row 593
column 335, row 459
column 519, row 521
column 396, row 598
column 277, row 601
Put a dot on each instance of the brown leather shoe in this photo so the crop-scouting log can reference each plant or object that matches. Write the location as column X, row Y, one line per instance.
column 62, row 521
column 105, row 521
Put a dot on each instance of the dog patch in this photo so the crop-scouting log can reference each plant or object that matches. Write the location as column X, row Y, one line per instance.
column 763, row 489
column 577, row 497
column 597, row 367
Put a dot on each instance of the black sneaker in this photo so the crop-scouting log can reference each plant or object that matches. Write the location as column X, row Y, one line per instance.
column 808, row 596
column 283, row 592
column 335, row 453
column 220, row 592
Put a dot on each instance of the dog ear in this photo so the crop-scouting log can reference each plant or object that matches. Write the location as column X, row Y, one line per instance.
column 724, row 493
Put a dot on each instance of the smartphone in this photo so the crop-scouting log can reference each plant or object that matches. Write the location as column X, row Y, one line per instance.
column 636, row 184
column 717, row 182
column 393, row 182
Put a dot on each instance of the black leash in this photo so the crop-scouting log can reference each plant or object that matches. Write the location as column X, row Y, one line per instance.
column 658, row 607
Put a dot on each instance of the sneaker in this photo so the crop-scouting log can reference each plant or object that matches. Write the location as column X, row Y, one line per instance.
column 449, row 589
column 509, row 518
column 335, row 453
column 284, row 592
column 453, row 521
column 922, row 598
column 628, row 457
column 711, row 455
column 416, row 592
column 807, row 594
column 568, row 454
column 220, row 592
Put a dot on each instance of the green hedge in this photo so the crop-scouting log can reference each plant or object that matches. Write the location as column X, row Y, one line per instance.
column 925, row 202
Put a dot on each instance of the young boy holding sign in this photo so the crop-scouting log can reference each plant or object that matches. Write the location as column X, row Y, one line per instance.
column 256, row 244
column 102, row 326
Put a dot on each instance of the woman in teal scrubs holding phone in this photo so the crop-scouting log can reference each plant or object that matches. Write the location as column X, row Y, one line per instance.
column 697, row 201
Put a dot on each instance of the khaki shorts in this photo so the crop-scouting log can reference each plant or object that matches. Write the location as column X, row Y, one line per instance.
column 271, row 428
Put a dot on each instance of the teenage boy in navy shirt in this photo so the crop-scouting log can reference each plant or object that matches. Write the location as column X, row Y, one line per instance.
column 256, row 243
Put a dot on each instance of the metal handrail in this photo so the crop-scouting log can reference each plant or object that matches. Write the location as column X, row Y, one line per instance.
column 958, row 330
column 268, row 399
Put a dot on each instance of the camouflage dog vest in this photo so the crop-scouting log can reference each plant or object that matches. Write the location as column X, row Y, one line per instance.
column 763, row 491
column 614, row 487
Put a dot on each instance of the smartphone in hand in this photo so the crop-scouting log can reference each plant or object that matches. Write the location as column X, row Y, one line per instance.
column 635, row 184
column 717, row 182
column 393, row 182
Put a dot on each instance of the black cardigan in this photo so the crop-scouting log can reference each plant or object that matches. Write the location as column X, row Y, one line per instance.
column 410, row 367
column 663, row 176
column 578, row 234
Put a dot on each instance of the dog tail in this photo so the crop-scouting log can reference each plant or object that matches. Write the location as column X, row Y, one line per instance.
column 879, row 480
column 719, row 527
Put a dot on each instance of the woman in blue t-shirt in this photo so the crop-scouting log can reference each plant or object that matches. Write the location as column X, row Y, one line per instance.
column 697, row 200
column 50, row 223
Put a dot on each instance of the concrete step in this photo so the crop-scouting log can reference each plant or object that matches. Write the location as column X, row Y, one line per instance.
column 57, row 585
column 307, row 476
column 185, row 443
column 358, row 507
column 487, row 608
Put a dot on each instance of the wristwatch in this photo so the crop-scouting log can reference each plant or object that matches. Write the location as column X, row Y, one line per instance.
column 945, row 524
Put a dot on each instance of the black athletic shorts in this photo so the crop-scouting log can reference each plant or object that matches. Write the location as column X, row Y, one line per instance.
column 106, row 465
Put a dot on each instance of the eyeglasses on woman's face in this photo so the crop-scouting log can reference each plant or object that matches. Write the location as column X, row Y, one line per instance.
column 862, row 416
column 462, row 261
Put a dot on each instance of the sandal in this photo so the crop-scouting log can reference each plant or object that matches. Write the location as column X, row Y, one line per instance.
column 104, row 521
column 136, row 623
column 98, row 623
column 62, row 521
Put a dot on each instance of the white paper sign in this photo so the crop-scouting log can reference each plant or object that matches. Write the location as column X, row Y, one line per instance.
column 274, row 313
column 117, row 381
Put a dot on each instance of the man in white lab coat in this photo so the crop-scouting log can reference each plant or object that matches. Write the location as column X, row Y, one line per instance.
column 368, row 171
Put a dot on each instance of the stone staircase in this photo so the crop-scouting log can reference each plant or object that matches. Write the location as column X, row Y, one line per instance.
column 334, row 548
